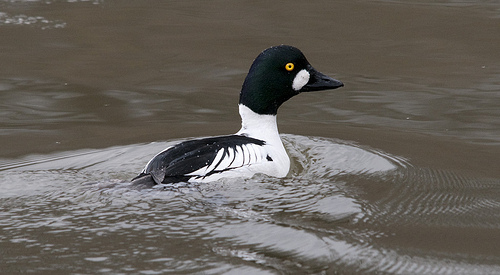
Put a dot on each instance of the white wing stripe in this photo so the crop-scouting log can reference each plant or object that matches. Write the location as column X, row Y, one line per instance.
column 229, row 158
column 214, row 164
column 238, row 157
column 226, row 161
column 246, row 155
column 209, row 168
column 252, row 156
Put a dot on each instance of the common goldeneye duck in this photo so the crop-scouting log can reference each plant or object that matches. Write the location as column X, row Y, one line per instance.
column 276, row 75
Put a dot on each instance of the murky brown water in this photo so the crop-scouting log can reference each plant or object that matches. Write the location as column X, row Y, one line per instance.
column 396, row 173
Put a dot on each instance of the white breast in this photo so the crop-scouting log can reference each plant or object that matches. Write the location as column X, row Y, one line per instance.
column 249, row 159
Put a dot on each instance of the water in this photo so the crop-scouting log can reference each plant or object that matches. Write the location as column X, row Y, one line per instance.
column 395, row 173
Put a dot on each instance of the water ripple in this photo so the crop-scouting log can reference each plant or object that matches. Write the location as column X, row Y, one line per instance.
column 344, row 208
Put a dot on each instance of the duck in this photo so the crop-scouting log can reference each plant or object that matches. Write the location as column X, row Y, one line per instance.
column 276, row 75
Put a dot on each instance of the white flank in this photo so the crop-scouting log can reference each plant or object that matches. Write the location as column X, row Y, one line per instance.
column 300, row 79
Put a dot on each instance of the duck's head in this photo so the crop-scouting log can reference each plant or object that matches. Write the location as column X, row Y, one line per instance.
column 278, row 74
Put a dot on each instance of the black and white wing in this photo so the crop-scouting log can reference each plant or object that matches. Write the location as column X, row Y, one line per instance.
column 204, row 157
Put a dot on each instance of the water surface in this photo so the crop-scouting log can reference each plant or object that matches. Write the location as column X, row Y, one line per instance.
column 395, row 173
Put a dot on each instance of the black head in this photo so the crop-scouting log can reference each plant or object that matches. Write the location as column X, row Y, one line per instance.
column 278, row 74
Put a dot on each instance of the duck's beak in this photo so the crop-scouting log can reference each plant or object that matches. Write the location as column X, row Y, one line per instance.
column 319, row 81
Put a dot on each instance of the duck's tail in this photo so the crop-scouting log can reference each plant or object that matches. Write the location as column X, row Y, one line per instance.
column 143, row 180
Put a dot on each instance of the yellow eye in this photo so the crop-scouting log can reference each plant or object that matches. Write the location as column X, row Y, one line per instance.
column 289, row 66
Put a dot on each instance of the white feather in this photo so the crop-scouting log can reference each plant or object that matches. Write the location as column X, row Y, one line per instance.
column 246, row 160
column 209, row 168
column 300, row 79
column 264, row 127
column 217, row 159
column 246, row 155
column 225, row 163
column 252, row 153
column 238, row 157
column 231, row 156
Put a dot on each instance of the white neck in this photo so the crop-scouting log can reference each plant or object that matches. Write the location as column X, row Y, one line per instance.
column 263, row 127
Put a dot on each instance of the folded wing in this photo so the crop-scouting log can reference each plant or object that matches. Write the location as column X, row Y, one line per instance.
column 204, row 157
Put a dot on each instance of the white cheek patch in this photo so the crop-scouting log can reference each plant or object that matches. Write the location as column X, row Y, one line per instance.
column 300, row 80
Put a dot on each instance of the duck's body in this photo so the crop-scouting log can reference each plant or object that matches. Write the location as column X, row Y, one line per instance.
column 276, row 75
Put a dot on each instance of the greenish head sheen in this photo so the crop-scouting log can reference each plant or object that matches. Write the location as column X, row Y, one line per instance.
column 268, row 83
